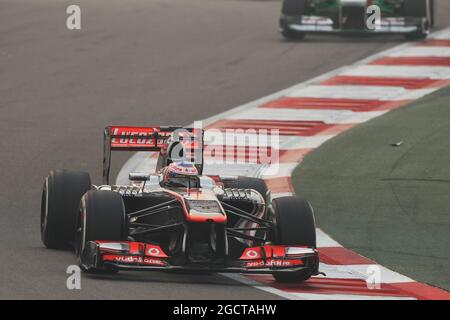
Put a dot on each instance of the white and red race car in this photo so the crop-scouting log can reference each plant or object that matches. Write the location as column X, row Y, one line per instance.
column 176, row 218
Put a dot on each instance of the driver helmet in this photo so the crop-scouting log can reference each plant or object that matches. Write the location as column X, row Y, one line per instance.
column 180, row 174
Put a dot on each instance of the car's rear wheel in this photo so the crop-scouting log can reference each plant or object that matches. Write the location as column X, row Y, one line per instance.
column 432, row 13
column 291, row 8
column 61, row 196
column 420, row 9
column 295, row 226
column 101, row 217
column 289, row 34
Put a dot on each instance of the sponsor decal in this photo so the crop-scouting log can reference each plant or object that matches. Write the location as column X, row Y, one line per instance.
column 272, row 263
column 128, row 259
column 134, row 260
column 251, row 254
column 155, row 251
column 151, row 261
column 135, row 137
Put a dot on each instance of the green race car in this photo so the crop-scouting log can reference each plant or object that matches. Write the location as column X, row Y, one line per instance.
column 413, row 18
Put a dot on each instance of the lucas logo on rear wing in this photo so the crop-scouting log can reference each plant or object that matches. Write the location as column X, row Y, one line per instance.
column 184, row 142
column 138, row 138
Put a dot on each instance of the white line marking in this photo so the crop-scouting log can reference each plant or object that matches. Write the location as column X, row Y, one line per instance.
column 279, row 170
column 418, row 72
column 360, row 271
column 251, row 140
column 422, row 52
column 266, row 171
column 307, row 296
column 327, row 116
column 281, row 194
column 257, row 285
column 316, row 296
column 248, row 169
column 441, row 35
column 324, row 240
column 361, row 92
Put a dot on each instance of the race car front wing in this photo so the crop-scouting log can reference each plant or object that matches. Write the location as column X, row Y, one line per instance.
column 319, row 24
column 138, row 256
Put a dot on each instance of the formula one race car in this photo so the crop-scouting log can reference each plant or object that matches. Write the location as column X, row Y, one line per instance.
column 176, row 218
column 413, row 18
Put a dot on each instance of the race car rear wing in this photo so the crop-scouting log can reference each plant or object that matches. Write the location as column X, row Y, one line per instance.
column 156, row 139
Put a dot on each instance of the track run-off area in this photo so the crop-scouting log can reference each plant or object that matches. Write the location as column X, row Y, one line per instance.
column 145, row 63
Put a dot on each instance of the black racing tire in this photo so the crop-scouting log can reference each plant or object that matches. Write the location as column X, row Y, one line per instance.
column 291, row 8
column 295, row 225
column 294, row 221
column 415, row 8
column 297, row 276
column 419, row 9
column 416, row 36
column 289, row 34
column 432, row 13
column 61, row 196
column 247, row 183
column 101, row 216
column 294, row 7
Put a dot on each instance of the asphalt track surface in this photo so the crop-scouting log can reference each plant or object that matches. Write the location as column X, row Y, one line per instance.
column 385, row 202
column 139, row 62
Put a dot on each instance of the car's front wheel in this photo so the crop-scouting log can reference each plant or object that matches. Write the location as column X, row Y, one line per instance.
column 420, row 9
column 292, row 8
column 101, row 217
column 294, row 225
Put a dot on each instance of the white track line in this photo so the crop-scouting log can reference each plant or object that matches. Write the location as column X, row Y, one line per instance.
column 443, row 34
column 418, row 51
column 315, row 296
column 248, row 169
column 281, row 194
column 326, row 116
column 361, row 92
column 324, row 240
column 254, row 140
column 362, row 272
column 308, row 296
column 418, row 72
column 277, row 170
